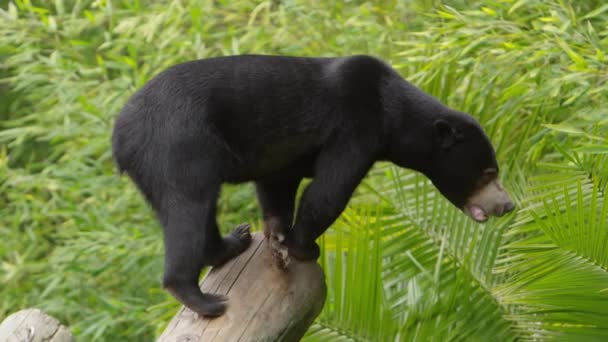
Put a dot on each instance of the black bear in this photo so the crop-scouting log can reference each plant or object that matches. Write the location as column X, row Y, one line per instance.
column 275, row 120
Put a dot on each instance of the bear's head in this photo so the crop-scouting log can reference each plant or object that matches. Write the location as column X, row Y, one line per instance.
column 464, row 167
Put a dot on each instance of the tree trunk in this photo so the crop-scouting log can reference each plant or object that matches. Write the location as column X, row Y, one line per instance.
column 33, row 325
column 265, row 303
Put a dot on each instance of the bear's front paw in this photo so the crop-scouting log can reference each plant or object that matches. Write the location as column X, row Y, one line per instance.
column 234, row 244
column 303, row 252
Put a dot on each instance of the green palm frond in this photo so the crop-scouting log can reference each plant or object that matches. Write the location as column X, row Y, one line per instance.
column 443, row 277
column 353, row 256
column 555, row 259
column 459, row 255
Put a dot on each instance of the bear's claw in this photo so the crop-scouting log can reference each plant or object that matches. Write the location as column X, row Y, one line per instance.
column 214, row 305
column 242, row 232
column 279, row 251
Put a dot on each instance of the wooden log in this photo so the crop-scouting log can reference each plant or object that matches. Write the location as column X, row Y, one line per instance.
column 265, row 303
column 33, row 325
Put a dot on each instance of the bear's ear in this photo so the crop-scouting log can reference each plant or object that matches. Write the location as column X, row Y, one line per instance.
column 445, row 134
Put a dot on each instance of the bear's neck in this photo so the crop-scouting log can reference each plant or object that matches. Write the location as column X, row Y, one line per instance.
column 409, row 124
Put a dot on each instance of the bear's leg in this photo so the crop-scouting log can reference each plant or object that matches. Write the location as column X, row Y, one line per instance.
column 338, row 171
column 277, row 200
column 192, row 241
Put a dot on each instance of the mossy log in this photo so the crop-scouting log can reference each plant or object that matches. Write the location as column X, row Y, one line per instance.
column 265, row 302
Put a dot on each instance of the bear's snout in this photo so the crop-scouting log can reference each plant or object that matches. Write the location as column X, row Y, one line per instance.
column 490, row 200
column 505, row 208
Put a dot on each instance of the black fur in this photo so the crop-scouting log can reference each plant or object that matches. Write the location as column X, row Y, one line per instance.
column 275, row 120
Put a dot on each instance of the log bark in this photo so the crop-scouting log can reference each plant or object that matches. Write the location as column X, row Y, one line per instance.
column 33, row 325
column 265, row 303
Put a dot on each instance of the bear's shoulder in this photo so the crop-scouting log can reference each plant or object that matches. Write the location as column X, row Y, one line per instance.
column 358, row 68
column 358, row 79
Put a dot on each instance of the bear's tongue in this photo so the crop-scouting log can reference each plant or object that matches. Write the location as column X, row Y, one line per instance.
column 477, row 213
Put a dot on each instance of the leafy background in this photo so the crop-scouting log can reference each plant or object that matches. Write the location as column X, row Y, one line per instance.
column 402, row 264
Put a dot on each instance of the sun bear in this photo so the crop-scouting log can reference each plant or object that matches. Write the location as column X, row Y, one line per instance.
column 275, row 120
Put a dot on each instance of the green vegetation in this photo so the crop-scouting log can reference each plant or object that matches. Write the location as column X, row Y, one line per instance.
column 402, row 264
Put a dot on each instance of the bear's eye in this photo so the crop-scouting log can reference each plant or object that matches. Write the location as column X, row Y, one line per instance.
column 489, row 175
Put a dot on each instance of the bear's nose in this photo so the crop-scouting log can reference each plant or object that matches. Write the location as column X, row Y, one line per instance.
column 508, row 207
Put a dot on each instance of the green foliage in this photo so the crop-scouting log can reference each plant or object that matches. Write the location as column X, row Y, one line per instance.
column 401, row 263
